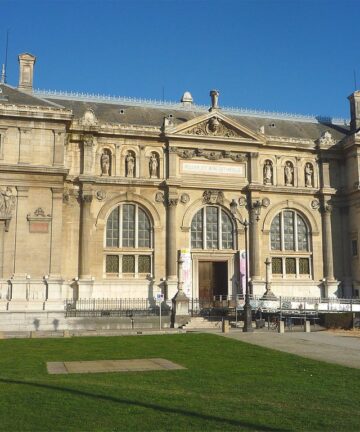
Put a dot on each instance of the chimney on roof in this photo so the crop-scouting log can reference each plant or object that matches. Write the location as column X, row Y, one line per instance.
column 354, row 99
column 26, row 72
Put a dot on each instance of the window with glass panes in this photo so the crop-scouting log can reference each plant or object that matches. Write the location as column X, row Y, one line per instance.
column 212, row 228
column 128, row 242
column 290, row 245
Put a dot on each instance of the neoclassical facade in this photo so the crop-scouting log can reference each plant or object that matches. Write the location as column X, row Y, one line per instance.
column 100, row 197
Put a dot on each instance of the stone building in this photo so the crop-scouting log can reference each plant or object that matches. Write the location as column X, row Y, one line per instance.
column 99, row 196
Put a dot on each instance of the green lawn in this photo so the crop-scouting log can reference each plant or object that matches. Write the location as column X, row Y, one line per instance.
column 228, row 385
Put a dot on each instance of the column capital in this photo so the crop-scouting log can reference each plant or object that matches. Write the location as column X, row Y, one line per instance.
column 86, row 196
column 172, row 202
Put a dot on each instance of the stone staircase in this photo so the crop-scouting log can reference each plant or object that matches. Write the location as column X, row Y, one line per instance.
column 202, row 323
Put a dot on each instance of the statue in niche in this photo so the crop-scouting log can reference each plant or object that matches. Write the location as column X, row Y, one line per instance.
column 154, row 166
column 268, row 173
column 309, row 175
column 105, row 163
column 130, row 165
column 289, row 174
column 7, row 202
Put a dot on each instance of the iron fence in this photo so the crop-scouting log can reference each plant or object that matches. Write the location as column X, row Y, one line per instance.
column 116, row 307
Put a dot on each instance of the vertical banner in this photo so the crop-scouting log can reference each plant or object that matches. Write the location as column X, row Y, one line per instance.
column 186, row 271
column 242, row 268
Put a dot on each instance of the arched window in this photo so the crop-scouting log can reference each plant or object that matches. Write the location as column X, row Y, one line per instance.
column 212, row 228
column 290, row 245
column 128, row 243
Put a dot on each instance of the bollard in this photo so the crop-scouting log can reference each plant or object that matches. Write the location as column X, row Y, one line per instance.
column 307, row 327
column 281, row 327
column 225, row 326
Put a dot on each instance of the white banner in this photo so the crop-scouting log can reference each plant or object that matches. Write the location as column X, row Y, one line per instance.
column 186, row 271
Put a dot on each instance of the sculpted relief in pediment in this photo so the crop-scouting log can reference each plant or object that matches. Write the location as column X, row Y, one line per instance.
column 213, row 127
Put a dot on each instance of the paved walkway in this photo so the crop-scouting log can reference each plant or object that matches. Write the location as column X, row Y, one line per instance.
column 324, row 346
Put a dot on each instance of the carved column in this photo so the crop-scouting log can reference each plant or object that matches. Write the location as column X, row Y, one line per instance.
column 347, row 288
column 327, row 241
column 171, row 244
column 85, row 233
column 254, row 252
column 2, row 241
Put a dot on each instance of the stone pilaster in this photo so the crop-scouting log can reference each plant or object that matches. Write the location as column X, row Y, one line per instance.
column 85, row 233
column 347, row 286
column 2, row 240
column 171, row 247
column 88, row 154
column 59, row 144
column 25, row 152
column 254, row 168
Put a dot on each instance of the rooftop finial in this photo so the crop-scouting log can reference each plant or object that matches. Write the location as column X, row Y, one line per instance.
column 214, row 94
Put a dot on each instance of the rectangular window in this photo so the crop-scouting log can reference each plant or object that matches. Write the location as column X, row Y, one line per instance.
column 112, row 264
column 128, row 264
column 144, row 264
column 304, row 266
column 226, row 231
column 290, row 266
column 212, row 228
column 112, row 229
column 354, row 248
column 143, row 229
column 276, row 233
column 197, row 231
column 277, row 266
column 128, row 231
column 289, row 237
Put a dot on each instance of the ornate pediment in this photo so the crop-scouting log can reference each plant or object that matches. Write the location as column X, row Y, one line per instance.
column 214, row 125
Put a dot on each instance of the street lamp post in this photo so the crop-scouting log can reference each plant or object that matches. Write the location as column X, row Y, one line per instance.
column 247, row 307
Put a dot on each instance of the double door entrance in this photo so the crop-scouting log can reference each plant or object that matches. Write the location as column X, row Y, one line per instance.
column 213, row 279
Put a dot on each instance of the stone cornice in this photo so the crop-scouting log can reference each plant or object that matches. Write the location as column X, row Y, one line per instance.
column 120, row 180
column 115, row 129
column 33, row 169
column 37, row 112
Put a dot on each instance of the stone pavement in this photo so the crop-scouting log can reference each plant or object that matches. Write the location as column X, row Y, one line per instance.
column 322, row 345
column 98, row 366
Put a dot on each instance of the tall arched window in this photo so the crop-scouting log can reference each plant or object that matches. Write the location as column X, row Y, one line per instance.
column 128, row 242
column 290, row 245
column 212, row 228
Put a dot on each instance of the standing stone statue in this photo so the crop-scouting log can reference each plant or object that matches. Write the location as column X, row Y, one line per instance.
column 214, row 94
column 130, row 165
column 105, row 164
column 289, row 174
column 308, row 175
column 268, row 173
column 7, row 202
column 153, row 166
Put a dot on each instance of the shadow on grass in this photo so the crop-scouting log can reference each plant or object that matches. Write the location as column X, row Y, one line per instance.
column 147, row 405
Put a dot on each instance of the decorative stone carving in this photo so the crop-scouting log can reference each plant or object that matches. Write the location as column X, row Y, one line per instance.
column 7, row 202
column 212, row 196
column 242, row 201
column 86, row 196
column 265, row 202
column 327, row 207
column 100, row 195
column 172, row 202
column 268, row 173
column 186, row 153
column 213, row 155
column 214, row 94
column 154, row 165
column 326, row 139
column 213, row 127
column 66, row 197
column 289, row 174
column 159, row 197
column 238, row 157
column 89, row 118
column 88, row 140
column 130, row 165
column 39, row 222
column 309, row 182
column 315, row 204
column 184, row 198
column 105, row 161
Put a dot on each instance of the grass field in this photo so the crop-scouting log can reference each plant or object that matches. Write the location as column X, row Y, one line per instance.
column 228, row 385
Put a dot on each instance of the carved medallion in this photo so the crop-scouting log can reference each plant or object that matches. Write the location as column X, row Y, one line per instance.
column 159, row 197
column 184, row 198
column 100, row 195
column 213, row 127
column 315, row 204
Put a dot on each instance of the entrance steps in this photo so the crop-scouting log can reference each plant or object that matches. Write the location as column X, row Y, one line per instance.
column 203, row 323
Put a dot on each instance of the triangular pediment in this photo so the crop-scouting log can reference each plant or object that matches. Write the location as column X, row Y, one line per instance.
column 215, row 125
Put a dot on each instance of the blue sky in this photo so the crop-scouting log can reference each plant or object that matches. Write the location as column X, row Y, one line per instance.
column 276, row 55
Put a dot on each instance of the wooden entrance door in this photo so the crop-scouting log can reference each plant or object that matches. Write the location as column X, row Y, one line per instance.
column 212, row 279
